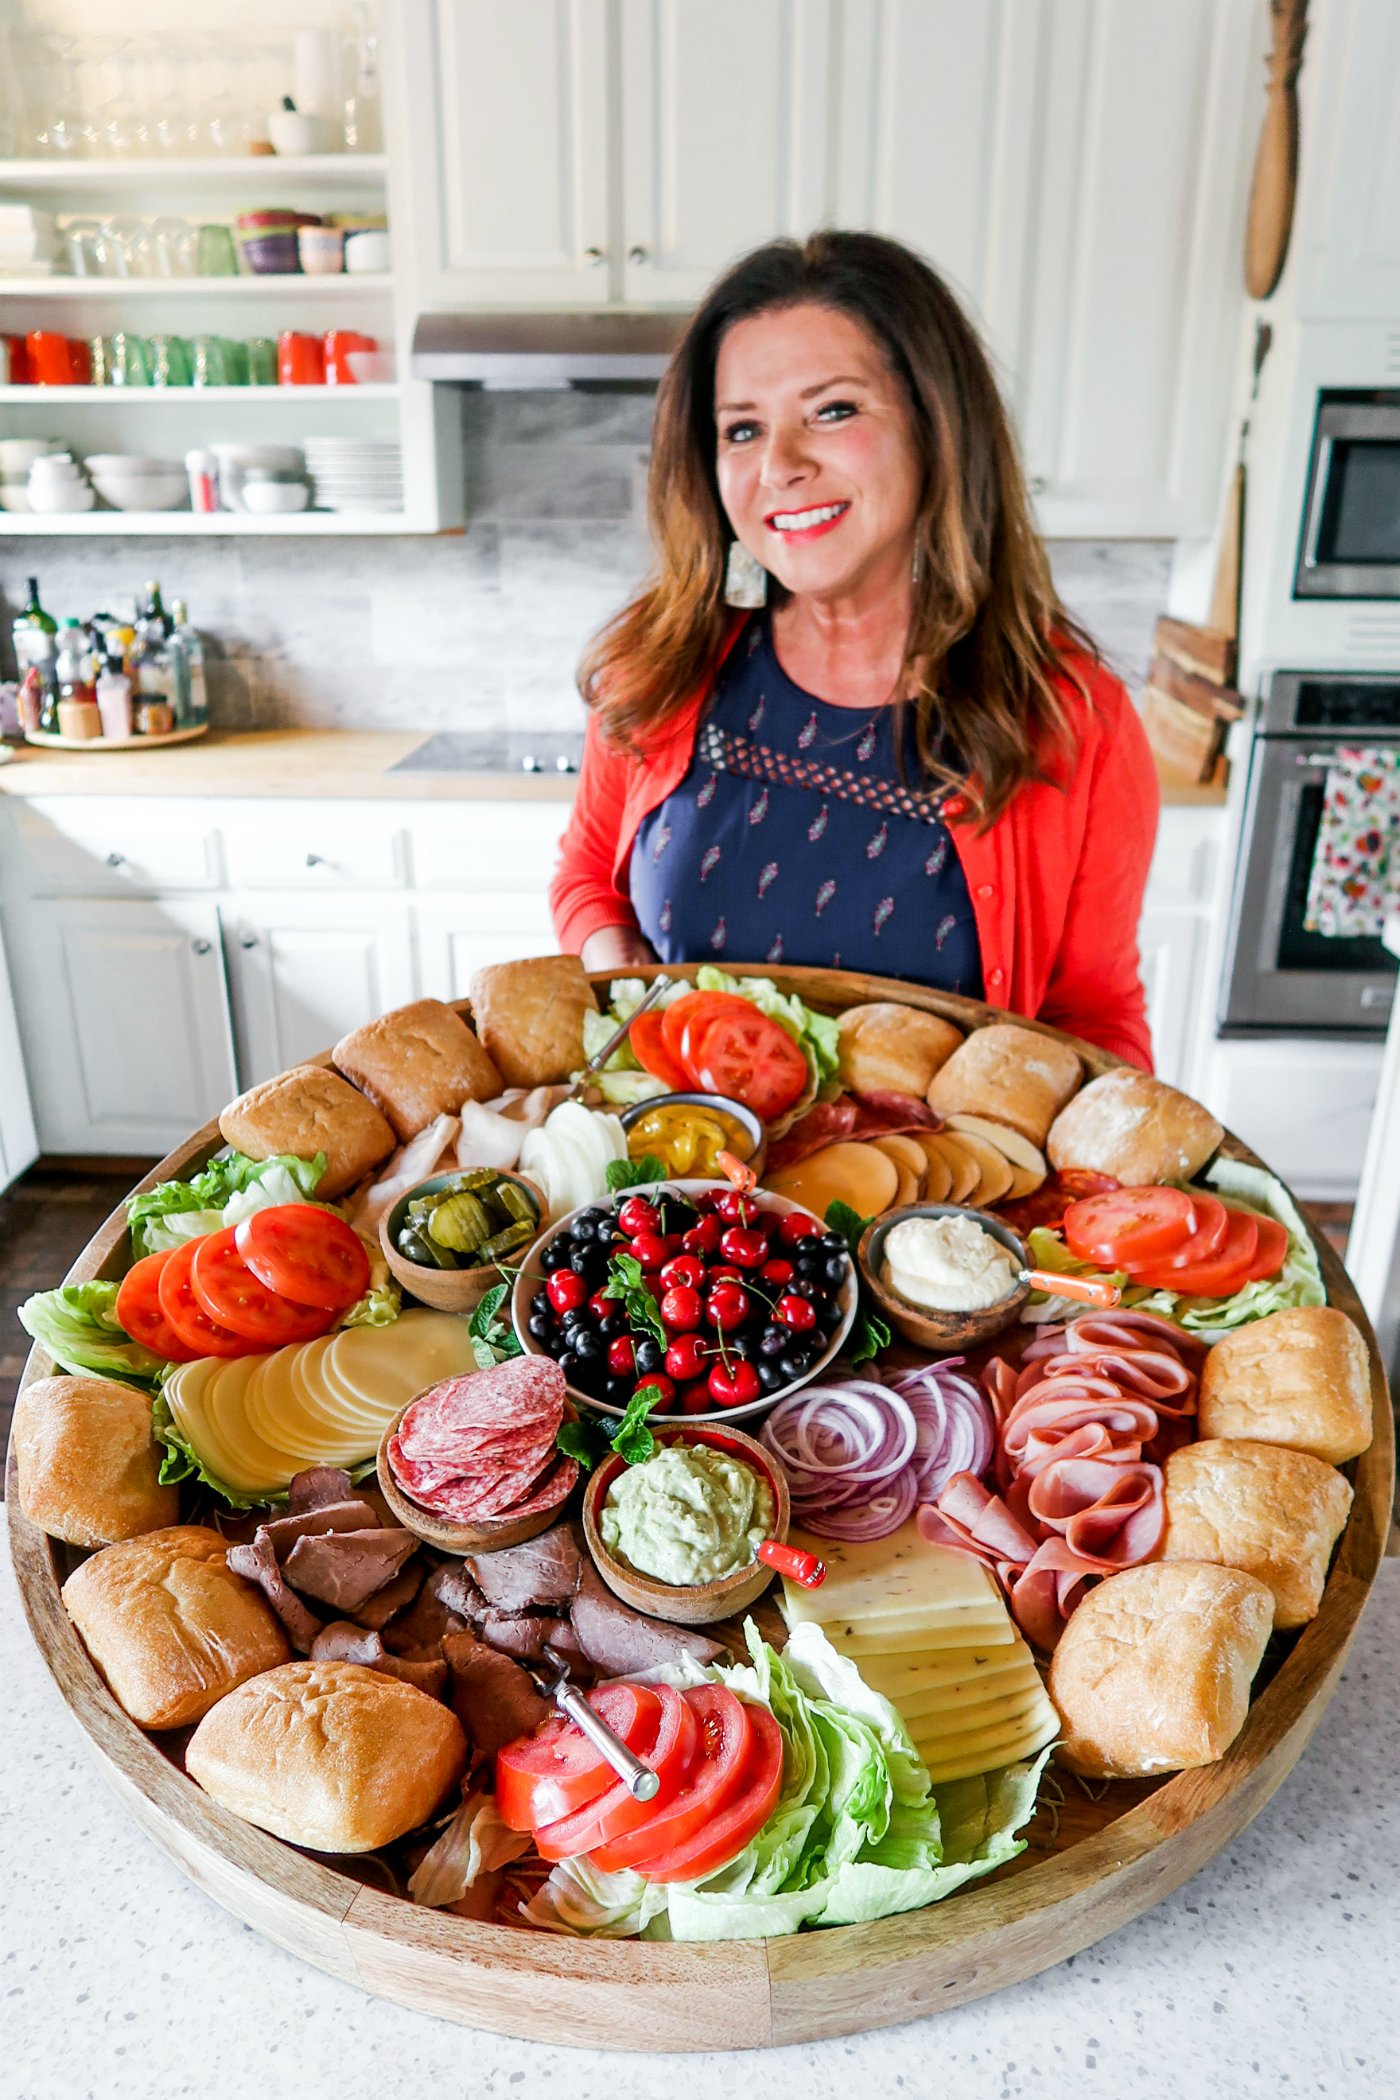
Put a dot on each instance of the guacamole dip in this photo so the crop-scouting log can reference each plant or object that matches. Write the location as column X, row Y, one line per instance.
column 690, row 1514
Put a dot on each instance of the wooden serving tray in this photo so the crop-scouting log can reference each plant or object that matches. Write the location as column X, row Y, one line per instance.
column 1095, row 1860
column 52, row 741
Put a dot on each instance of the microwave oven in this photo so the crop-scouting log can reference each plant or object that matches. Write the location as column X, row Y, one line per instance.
column 1349, row 546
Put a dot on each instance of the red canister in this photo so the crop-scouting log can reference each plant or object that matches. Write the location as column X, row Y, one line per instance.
column 339, row 344
column 51, row 359
column 301, row 359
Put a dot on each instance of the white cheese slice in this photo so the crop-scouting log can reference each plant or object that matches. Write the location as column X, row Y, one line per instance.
column 901, row 1581
column 386, row 1366
column 224, row 1406
column 989, row 1753
column 899, row 1675
column 185, row 1392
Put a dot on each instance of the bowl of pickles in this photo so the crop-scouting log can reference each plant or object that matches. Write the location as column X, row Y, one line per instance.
column 448, row 1239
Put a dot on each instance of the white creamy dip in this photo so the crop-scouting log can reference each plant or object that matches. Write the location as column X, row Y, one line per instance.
column 947, row 1264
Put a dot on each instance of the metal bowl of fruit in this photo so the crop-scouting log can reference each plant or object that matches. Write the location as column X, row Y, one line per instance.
column 447, row 1238
column 724, row 1325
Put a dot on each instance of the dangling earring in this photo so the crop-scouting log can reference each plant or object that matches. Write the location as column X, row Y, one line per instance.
column 917, row 566
column 745, row 580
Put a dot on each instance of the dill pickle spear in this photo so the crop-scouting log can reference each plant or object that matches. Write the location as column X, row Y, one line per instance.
column 515, row 1202
column 506, row 1242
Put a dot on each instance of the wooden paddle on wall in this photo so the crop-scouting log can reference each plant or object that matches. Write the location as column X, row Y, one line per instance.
column 1272, row 191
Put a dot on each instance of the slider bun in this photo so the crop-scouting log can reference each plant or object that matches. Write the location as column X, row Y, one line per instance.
column 530, row 1017
column 1300, row 1377
column 88, row 1462
column 1272, row 1512
column 1009, row 1075
column 169, row 1624
column 309, row 1110
column 1130, row 1125
column 329, row 1755
column 884, row 1048
column 1152, row 1673
column 417, row 1063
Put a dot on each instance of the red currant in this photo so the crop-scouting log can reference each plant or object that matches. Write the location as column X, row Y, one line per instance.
column 727, row 1306
column 703, row 1238
column 637, row 1216
column 686, row 1358
column 684, row 1268
column 734, row 1383
column 650, row 1250
column 621, row 1356
column 743, row 1245
column 796, row 1314
column 797, row 1225
column 695, row 1399
column 681, row 1309
column 565, row 1290
column 668, row 1391
column 777, row 1272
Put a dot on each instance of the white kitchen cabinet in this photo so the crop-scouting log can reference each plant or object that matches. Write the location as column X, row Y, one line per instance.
column 1171, row 942
column 125, row 1019
column 456, row 935
column 1346, row 246
column 19, row 1141
column 303, row 970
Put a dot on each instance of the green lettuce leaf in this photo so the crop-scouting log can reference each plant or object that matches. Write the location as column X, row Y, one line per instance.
column 78, row 1326
column 223, row 1193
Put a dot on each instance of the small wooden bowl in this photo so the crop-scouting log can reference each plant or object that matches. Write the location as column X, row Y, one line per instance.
column 752, row 1125
column 449, row 1290
column 449, row 1537
column 941, row 1331
column 691, row 1604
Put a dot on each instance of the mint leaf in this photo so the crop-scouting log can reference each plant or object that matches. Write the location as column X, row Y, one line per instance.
column 870, row 1334
column 632, row 1439
column 841, row 1218
column 583, row 1441
column 480, row 1324
column 626, row 1284
column 634, row 1173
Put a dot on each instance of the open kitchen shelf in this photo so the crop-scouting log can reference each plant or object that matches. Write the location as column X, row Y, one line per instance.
column 186, row 524
column 189, row 396
column 234, row 171
column 291, row 287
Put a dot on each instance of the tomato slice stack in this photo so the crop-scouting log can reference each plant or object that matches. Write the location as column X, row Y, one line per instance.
column 719, row 1761
column 1176, row 1240
column 718, row 1043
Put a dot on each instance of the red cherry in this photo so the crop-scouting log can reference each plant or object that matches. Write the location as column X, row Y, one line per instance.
column 734, row 1383
column 650, row 1250
column 798, row 1315
column 622, row 1356
column 637, row 1216
column 686, row 1358
column 681, row 1309
column 600, row 1306
column 684, row 1268
column 703, row 1238
column 725, row 1272
column 743, row 1245
column 797, row 1225
column 668, row 1391
column 729, row 1205
column 727, row 1306
column 565, row 1290
column 777, row 1272
column 695, row 1399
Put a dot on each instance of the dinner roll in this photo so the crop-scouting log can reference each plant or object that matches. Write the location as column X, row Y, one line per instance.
column 169, row 1624
column 1008, row 1075
column 1272, row 1512
column 530, row 1016
column 1152, row 1673
column 1130, row 1125
column 1299, row 1377
column 417, row 1063
column 885, row 1048
column 88, row 1461
column 329, row 1755
column 309, row 1110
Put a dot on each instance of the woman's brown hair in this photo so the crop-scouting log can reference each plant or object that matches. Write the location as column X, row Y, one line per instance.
column 988, row 633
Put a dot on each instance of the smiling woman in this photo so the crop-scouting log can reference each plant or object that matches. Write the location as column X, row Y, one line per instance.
column 905, row 756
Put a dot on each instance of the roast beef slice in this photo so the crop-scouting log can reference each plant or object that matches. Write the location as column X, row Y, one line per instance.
column 455, row 1589
column 330, row 1516
column 396, row 1596
column 541, row 1572
column 257, row 1563
column 523, row 1634
column 316, row 1487
column 344, row 1641
column 342, row 1568
column 618, row 1639
column 493, row 1698
column 418, row 1632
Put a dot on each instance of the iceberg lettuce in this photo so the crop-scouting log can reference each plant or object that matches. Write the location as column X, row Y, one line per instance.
column 78, row 1326
column 224, row 1192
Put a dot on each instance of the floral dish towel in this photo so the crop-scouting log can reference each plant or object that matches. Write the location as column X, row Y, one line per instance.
column 1355, row 879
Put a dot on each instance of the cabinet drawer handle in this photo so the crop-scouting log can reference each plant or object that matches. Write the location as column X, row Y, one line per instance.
column 247, row 940
column 201, row 946
column 595, row 257
column 638, row 254
column 116, row 860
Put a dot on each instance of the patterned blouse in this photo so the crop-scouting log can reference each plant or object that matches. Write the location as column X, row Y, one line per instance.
column 793, row 838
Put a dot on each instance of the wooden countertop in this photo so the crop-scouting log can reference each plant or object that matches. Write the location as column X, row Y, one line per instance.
column 347, row 764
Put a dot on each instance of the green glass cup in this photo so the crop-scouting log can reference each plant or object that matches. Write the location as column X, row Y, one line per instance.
column 237, row 354
column 262, row 360
column 215, row 255
column 130, row 361
column 211, row 361
column 100, row 358
column 172, row 361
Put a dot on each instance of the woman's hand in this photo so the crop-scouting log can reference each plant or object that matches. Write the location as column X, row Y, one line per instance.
column 616, row 948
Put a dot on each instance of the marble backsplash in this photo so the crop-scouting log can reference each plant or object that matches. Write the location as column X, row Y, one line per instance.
column 480, row 630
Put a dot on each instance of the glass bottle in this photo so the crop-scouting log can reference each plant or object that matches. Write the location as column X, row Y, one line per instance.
column 191, row 692
column 153, row 673
column 77, row 711
column 114, row 692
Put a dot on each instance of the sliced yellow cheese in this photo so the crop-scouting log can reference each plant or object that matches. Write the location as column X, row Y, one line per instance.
column 990, row 1752
column 903, row 1676
column 185, row 1391
column 386, row 1366
column 926, row 1710
column 325, row 1418
column 928, row 1641
column 952, row 1725
column 901, row 1581
column 224, row 1405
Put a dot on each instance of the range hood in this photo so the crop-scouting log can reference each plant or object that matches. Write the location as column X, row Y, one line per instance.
column 544, row 349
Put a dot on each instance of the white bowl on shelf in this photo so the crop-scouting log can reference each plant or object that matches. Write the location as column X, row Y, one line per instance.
column 275, row 499
column 370, row 367
column 57, row 498
column 14, row 496
column 17, row 455
column 235, row 460
column 298, row 131
column 144, row 491
column 367, row 250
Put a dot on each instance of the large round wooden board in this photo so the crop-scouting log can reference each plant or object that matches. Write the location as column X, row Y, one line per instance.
column 1091, row 1865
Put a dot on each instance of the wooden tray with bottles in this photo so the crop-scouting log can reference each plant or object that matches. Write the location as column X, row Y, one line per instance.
column 52, row 741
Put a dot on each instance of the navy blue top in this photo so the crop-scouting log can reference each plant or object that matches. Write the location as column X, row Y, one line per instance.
column 793, row 838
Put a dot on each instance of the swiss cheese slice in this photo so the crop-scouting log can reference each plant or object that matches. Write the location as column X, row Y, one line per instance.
column 386, row 1366
column 907, row 1676
column 927, row 1710
column 224, row 1405
column 185, row 1393
column 897, row 1583
column 988, row 1750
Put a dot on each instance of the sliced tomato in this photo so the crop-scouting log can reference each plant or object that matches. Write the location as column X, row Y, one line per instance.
column 1212, row 1224
column 1048, row 1204
column 233, row 1296
column 1225, row 1273
column 725, row 1834
column 1129, row 1225
column 615, row 1813
column 545, row 1776
column 721, row 1753
column 692, row 1007
column 1272, row 1251
column 649, row 1049
column 201, row 1335
column 139, row 1313
column 308, row 1255
column 749, row 1057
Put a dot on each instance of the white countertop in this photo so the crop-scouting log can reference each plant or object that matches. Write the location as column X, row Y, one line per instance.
column 1272, row 1973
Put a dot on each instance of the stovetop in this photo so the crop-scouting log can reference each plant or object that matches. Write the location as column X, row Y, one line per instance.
column 487, row 751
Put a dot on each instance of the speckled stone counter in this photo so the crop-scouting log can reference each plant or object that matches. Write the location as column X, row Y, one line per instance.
column 1272, row 1973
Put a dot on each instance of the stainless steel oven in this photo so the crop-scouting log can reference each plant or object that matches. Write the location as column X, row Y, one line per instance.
column 1278, row 976
column 1350, row 542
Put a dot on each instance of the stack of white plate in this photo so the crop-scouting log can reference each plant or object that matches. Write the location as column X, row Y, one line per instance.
column 356, row 473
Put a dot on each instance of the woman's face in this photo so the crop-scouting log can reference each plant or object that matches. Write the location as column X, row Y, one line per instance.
column 816, row 457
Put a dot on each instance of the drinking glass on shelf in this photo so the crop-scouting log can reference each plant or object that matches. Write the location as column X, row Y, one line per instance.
column 212, row 365
column 127, row 250
column 215, row 253
column 121, row 121
column 100, row 359
column 83, row 240
column 130, row 362
column 173, row 245
column 172, row 361
column 262, row 360
column 55, row 125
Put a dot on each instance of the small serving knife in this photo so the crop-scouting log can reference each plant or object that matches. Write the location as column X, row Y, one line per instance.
column 619, row 1035
column 642, row 1783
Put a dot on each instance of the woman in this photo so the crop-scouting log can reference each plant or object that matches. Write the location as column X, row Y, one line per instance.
column 909, row 760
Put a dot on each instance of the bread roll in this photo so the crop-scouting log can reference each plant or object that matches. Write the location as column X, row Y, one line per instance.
column 329, row 1755
column 530, row 1017
column 1271, row 1512
column 169, row 1625
column 1300, row 1377
column 885, row 1048
column 1153, row 1671
column 1009, row 1075
column 417, row 1063
column 1130, row 1125
column 88, row 1461
column 309, row 1110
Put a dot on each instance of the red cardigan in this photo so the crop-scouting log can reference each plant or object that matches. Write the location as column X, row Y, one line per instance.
column 1056, row 882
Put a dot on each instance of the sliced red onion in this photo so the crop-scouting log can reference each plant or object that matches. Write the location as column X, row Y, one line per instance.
column 957, row 1432
column 854, row 1454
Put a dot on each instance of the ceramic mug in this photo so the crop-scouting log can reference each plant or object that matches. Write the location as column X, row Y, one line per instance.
column 213, row 366
column 50, row 358
column 339, row 343
column 301, row 359
column 214, row 252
